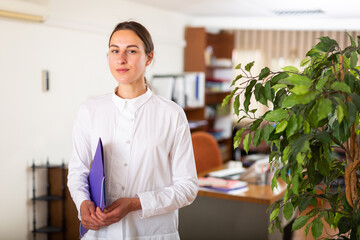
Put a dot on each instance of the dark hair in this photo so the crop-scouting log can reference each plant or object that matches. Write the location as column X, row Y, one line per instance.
column 139, row 30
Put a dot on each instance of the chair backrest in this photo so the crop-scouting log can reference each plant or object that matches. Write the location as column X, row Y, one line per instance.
column 206, row 151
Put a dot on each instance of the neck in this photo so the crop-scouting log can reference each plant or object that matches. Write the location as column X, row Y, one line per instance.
column 128, row 92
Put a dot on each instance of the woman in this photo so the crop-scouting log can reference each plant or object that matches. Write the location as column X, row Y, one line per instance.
column 149, row 163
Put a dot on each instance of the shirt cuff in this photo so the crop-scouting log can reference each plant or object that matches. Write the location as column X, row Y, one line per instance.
column 147, row 205
column 79, row 201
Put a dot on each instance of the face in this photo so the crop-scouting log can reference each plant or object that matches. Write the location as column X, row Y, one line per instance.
column 127, row 58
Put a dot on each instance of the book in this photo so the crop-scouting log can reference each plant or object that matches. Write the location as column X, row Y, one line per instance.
column 96, row 180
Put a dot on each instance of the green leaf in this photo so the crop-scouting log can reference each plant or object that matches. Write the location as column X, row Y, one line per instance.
column 247, row 142
column 340, row 86
column 304, row 203
column 293, row 99
column 248, row 94
column 296, row 80
column 281, row 126
column 317, row 228
column 268, row 92
column 238, row 66
column 237, row 138
column 295, row 184
column 307, row 229
column 324, row 108
column 236, row 79
column 344, row 225
column 353, row 44
column 292, row 126
column 304, row 62
column 226, row 100
column 259, row 93
column 274, row 182
column 288, row 210
column 323, row 166
column 237, row 105
column 321, row 83
column 290, row 69
column 278, row 77
column 267, row 130
column 326, row 44
column 249, row 66
column 276, row 115
column 257, row 137
column 353, row 60
column 264, row 73
column 278, row 86
column 300, row 90
column 228, row 97
column 339, row 113
column 356, row 100
column 271, row 228
column 300, row 222
column 274, row 214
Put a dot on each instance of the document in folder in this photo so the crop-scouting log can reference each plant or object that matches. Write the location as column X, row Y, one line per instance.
column 96, row 182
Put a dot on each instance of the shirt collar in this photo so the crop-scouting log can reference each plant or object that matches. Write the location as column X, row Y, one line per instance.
column 134, row 103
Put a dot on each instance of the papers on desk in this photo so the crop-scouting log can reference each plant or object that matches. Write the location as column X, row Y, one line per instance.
column 228, row 173
column 222, row 185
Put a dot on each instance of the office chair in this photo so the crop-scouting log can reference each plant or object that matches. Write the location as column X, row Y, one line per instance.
column 206, row 151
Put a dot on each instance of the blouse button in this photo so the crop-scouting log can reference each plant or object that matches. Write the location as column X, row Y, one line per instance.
column 125, row 164
column 128, row 141
column 123, row 188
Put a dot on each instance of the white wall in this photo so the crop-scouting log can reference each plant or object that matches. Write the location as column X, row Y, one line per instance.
column 72, row 46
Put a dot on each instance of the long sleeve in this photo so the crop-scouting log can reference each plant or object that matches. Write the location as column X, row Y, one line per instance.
column 185, row 184
column 79, row 164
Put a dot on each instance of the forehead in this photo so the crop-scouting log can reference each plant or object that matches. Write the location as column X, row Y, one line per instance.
column 125, row 37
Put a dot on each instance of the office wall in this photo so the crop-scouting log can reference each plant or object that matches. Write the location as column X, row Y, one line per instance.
column 72, row 46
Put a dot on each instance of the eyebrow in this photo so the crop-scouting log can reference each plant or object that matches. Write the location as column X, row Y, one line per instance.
column 128, row 46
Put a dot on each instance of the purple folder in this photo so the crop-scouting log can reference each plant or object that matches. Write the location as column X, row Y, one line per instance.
column 96, row 182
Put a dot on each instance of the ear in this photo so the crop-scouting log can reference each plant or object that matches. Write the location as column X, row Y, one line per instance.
column 150, row 57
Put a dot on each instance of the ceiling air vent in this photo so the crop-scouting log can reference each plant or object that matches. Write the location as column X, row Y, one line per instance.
column 298, row 12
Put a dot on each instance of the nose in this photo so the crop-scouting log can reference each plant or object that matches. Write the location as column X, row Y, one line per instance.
column 121, row 58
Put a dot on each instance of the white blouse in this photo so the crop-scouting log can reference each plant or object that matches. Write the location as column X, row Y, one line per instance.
column 148, row 154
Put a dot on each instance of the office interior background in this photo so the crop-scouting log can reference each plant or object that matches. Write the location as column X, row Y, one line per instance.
column 71, row 44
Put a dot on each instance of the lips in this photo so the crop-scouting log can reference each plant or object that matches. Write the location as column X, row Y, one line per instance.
column 122, row 70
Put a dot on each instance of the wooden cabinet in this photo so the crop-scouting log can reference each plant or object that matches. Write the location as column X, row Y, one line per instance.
column 203, row 53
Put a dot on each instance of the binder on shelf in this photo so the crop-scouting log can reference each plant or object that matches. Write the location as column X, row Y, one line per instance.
column 96, row 182
column 187, row 89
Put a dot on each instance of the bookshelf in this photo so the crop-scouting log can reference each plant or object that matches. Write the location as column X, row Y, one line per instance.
column 212, row 54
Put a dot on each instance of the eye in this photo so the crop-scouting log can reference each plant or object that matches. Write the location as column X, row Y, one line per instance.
column 114, row 51
column 131, row 51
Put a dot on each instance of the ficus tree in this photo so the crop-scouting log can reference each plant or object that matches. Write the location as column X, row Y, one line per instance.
column 313, row 116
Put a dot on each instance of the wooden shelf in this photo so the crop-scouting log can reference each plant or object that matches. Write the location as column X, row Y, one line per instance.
column 212, row 98
column 222, row 44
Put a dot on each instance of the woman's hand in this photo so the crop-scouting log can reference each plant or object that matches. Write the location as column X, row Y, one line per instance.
column 89, row 219
column 119, row 209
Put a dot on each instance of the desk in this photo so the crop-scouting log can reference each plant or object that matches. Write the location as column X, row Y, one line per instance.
column 221, row 216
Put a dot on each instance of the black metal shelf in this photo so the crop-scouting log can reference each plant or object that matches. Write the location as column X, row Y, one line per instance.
column 48, row 229
column 48, row 198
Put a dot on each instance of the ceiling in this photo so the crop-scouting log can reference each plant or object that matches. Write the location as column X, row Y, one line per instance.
column 261, row 8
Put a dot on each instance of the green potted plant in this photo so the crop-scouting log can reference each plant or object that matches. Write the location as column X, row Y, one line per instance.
column 314, row 114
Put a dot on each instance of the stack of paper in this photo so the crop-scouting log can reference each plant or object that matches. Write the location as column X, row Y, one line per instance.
column 222, row 185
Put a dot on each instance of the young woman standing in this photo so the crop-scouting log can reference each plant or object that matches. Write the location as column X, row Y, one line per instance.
column 149, row 163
